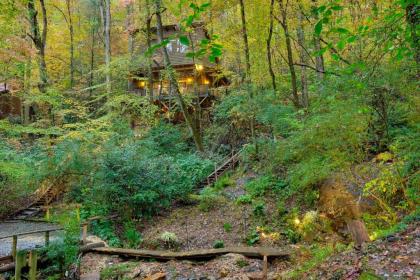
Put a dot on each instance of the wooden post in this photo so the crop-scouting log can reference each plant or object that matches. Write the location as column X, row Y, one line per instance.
column 47, row 214
column 265, row 268
column 84, row 232
column 19, row 264
column 14, row 247
column 215, row 171
column 33, row 259
column 47, row 238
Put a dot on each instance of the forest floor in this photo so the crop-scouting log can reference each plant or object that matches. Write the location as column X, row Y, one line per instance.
column 225, row 220
column 396, row 257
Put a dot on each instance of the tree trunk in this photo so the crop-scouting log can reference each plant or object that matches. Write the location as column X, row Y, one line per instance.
column 290, row 63
column 105, row 7
column 270, row 36
column 149, row 45
column 174, row 83
column 319, row 59
column 304, row 61
column 71, row 30
column 130, row 46
column 246, row 45
column 92, row 58
column 39, row 40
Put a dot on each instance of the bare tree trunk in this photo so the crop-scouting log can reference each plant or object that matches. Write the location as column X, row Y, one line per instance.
column 149, row 45
column 39, row 40
column 174, row 83
column 92, row 58
column 290, row 63
column 303, row 60
column 71, row 30
column 270, row 36
column 246, row 45
column 319, row 59
column 105, row 7
column 130, row 46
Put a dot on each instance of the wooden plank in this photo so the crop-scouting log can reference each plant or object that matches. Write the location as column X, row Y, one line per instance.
column 32, row 232
column 195, row 254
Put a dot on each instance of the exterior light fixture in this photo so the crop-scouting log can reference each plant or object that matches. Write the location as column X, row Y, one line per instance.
column 189, row 80
column 206, row 82
column 199, row 67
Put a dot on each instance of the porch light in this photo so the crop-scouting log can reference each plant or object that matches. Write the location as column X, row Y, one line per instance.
column 206, row 82
column 199, row 67
column 142, row 83
column 189, row 80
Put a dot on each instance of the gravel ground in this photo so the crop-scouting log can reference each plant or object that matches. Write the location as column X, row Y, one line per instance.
column 25, row 241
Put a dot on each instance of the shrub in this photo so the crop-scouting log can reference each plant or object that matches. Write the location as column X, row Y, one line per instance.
column 223, row 182
column 218, row 244
column 132, row 237
column 169, row 239
column 259, row 186
column 209, row 199
column 244, row 199
column 227, row 227
column 259, row 209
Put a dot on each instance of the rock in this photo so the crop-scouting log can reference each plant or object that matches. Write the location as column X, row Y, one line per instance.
column 91, row 276
column 223, row 272
column 157, row 276
column 255, row 275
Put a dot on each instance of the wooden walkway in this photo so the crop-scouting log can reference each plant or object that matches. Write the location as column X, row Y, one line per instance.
column 252, row 252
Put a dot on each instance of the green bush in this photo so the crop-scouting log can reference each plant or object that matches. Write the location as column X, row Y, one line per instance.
column 218, row 244
column 209, row 199
column 227, row 227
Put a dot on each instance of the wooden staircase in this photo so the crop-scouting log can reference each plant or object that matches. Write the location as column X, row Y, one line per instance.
column 42, row 198
column 228, row 163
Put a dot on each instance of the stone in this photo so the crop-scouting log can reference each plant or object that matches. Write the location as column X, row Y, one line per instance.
column 223, row 272
column 255, row 275
column 157, row 276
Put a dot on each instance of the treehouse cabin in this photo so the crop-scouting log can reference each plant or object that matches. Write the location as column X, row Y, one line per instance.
column 196, row 77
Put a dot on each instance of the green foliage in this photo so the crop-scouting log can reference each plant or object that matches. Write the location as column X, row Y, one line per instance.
column 260, row 186
column 241, row 263
column 259, row 209
column 227, row 227
column 169, row 239
column 218, row 244
column 244, row 199
column 223, row 182
column 62, row 254
column 253, row 238
column 209, row 199
column 117, row 271
column 132, row 237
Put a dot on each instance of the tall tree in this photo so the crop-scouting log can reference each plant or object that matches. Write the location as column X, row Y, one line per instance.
column 269, row 55
column 283, row 20
column 39, row 39
column 303, row 60
column 71, row 31
column 149, row 45
column 173, row 81
column 105, row 8
column 319, row 59
column 245, row 39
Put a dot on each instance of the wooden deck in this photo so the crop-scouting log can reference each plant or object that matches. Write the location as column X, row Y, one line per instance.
column 252, row 252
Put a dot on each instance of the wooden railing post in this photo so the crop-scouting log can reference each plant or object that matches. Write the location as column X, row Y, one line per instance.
column 14, row 247
column 33, row 259
column 47, row 238
column 84, row 232
column 265, row 268
column 19, row 264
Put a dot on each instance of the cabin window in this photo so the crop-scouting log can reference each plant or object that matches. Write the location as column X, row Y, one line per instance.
column 176, row 46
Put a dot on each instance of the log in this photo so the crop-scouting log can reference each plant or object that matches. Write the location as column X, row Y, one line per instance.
column 7, row 267
column 89, row 247
column 195, row 254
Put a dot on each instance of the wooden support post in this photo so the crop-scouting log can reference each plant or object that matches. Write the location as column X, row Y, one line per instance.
column 14, row 247
column 47, row 238
column 19, row 264
column 265, row 268
column 84, row 233
column 215, row 172
column 47, row 214
column 33, row 260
